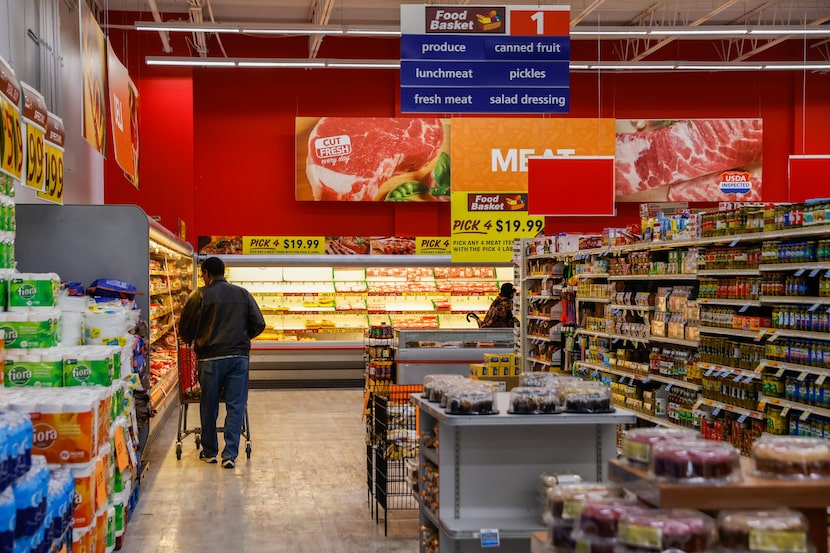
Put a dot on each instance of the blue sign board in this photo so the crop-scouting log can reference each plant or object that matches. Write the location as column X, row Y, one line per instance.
column 485, row 59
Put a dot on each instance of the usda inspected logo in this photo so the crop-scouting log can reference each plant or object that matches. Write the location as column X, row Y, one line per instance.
column 81, row 373
column 19, row 375
column 735, row 183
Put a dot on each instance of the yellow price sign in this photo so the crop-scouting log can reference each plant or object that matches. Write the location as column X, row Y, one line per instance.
column 53, row 166
column 484, row 225
column 11, row 142
column 284, row 245
column 35, row 174
column 433, row 245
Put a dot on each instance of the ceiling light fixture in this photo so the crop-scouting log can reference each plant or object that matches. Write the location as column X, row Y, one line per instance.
column 576, row 33
column 334, row 63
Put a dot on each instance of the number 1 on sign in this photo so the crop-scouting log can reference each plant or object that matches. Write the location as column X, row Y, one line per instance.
column 539, row 18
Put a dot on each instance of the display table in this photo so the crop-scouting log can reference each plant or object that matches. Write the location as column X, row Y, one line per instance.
column 811, row 497
column 490, row 465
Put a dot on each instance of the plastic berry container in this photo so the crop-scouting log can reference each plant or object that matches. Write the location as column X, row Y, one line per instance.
column 776, row 530
column 652, row 531
column 526, row 400
column 791, row 457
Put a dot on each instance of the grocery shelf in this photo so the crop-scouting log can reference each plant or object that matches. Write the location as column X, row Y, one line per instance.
column 731, row 370
column 805, row 409
column 675, row 341
column 651, row 376
column 545, row 276
column 728, row 272
column 429, row 452
column 591, row 275
column 796, row 300
column 593, row 300
column 794, row 367
column 661, row 421
column 690, row 276
column 533, row 337
column 782, row 267
column 797, row 232
column 612, row 336
column 730, row 408
column 730, row 332
column 541, row 362
column 798, row 334
column 631, row 307
column 541, row 298
column 541, row 318
column 510, row 527
column 727, row 301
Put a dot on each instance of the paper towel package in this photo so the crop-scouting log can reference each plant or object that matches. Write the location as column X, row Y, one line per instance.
column 24, row 370
column 33, row 290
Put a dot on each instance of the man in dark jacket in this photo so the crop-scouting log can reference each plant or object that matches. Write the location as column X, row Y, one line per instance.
column 220, row 319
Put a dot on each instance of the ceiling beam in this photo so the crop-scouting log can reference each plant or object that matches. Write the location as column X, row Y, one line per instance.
column 771, row 43
column 586, row 12
column 648, row 12
column 321, row 16
column 695, row 23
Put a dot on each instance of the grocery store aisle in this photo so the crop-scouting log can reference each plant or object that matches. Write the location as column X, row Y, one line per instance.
column 303, row 490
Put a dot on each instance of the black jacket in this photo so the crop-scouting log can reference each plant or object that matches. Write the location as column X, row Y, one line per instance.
column 220, row 319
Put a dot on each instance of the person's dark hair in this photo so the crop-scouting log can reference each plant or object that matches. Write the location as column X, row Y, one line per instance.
column 507, row 290
column 213, row 266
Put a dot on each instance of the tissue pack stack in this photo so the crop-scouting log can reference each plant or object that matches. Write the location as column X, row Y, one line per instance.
column 63, row 366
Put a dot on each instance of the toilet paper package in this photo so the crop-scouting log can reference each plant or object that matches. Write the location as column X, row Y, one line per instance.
column 106, row 326
column 33, row 368
column 72, row 328
column 64, row 422
column 87, row 366
column 33, row 290
column 85, row 492
column 31, row 330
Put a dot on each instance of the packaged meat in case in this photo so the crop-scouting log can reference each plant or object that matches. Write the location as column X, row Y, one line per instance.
column 694, row 462
column 777, row 530
column 637, row 442
column 652, row 531
column 791, row 457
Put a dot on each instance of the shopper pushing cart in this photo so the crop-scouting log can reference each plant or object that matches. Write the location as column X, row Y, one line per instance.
column 220, row 319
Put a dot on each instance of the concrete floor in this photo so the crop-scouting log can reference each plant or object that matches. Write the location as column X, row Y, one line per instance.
column 302, row 491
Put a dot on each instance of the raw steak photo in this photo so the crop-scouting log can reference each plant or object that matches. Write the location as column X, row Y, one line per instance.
column 656, row 155
column 350, row 159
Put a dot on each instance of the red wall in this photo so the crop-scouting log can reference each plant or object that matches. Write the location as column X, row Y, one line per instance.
column 217, row 150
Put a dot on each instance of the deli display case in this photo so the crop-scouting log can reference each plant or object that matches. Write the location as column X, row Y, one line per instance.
column 419, row 352
column 317, row 308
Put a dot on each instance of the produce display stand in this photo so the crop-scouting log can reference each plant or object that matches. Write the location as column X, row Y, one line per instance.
column 811, row 497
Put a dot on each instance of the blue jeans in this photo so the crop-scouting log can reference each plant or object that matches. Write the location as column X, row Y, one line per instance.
column 228, row 377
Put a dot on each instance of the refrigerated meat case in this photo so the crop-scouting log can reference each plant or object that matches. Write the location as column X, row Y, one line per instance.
column 86, row 242
column 317, row 308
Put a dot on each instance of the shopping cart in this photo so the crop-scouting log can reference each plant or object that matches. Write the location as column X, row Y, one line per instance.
column 191, row 392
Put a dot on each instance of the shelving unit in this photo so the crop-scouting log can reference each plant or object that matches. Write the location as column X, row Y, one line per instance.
column 507, row 453
column 742, row 290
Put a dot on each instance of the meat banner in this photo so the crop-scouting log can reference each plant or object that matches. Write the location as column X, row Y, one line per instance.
column 372, row 159
column 490, row 194
column 689, row 160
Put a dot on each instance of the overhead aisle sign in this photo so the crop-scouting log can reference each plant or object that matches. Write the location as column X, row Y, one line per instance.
column 485, row 59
